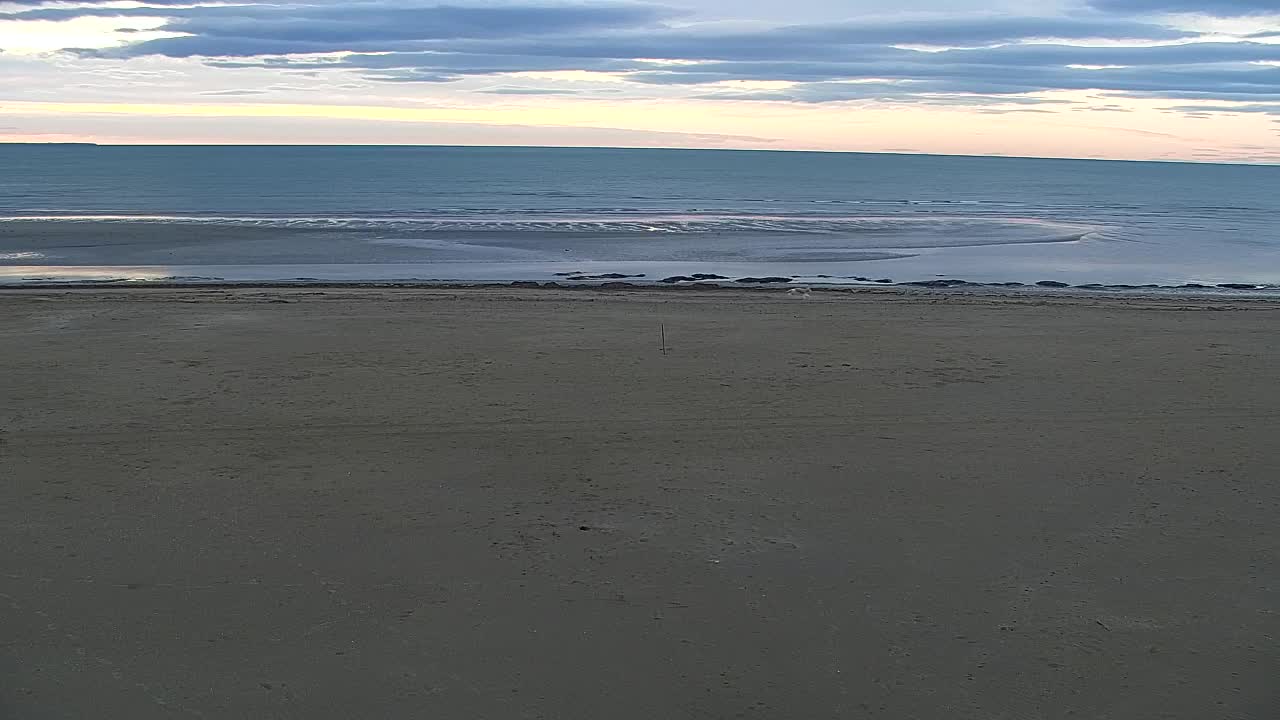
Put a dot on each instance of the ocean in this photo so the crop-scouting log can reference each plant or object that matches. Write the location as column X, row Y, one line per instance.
column 487, row 214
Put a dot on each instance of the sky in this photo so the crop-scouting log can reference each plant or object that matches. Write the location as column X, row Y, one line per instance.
column 1194, row 80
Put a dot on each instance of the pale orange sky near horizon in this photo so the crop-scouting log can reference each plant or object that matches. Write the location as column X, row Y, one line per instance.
column 693, row 124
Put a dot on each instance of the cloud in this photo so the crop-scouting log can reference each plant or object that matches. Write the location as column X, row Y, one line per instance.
column 891, row 93
column 979, row 29
column 1007, row 111
column 1264, row 108
column 1192, row 70
column 1217, row 8
column 459, row 64
column 1182, row 54
column 946, row 72
column 1196, row 70
column 274, row 29
column 568, row 31
column 870, row 59
column 234, row 92
column 527, row 91
column 971, row 56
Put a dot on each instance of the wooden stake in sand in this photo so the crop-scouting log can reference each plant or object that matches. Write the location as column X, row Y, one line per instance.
column 662, row 330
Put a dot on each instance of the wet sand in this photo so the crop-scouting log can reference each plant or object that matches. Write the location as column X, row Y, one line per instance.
column 342, row 503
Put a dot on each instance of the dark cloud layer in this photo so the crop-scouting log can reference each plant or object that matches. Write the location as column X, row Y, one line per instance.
column 1264, row 108
column 1208, row 70
column 972, row 56
column 248, row 30
column 629, row 31
column 1219, row 8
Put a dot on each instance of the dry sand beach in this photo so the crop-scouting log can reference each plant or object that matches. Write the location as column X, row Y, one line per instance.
column 505, row 503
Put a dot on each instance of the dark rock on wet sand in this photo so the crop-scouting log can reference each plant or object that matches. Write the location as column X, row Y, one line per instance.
column 1238, row 286
column 525, row 284
column 939, row 283
column 1052, row 284
column 885, row 281
column 693, row 278
column 763, row 280
column 605, row 276
column 1100, row 286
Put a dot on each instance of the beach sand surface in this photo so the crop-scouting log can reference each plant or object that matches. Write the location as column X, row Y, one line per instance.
column 503, row 503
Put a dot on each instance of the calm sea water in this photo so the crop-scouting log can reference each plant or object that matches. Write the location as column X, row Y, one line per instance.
column 440, row 213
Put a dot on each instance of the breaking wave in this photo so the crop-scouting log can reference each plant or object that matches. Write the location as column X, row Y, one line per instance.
column 855, row 232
